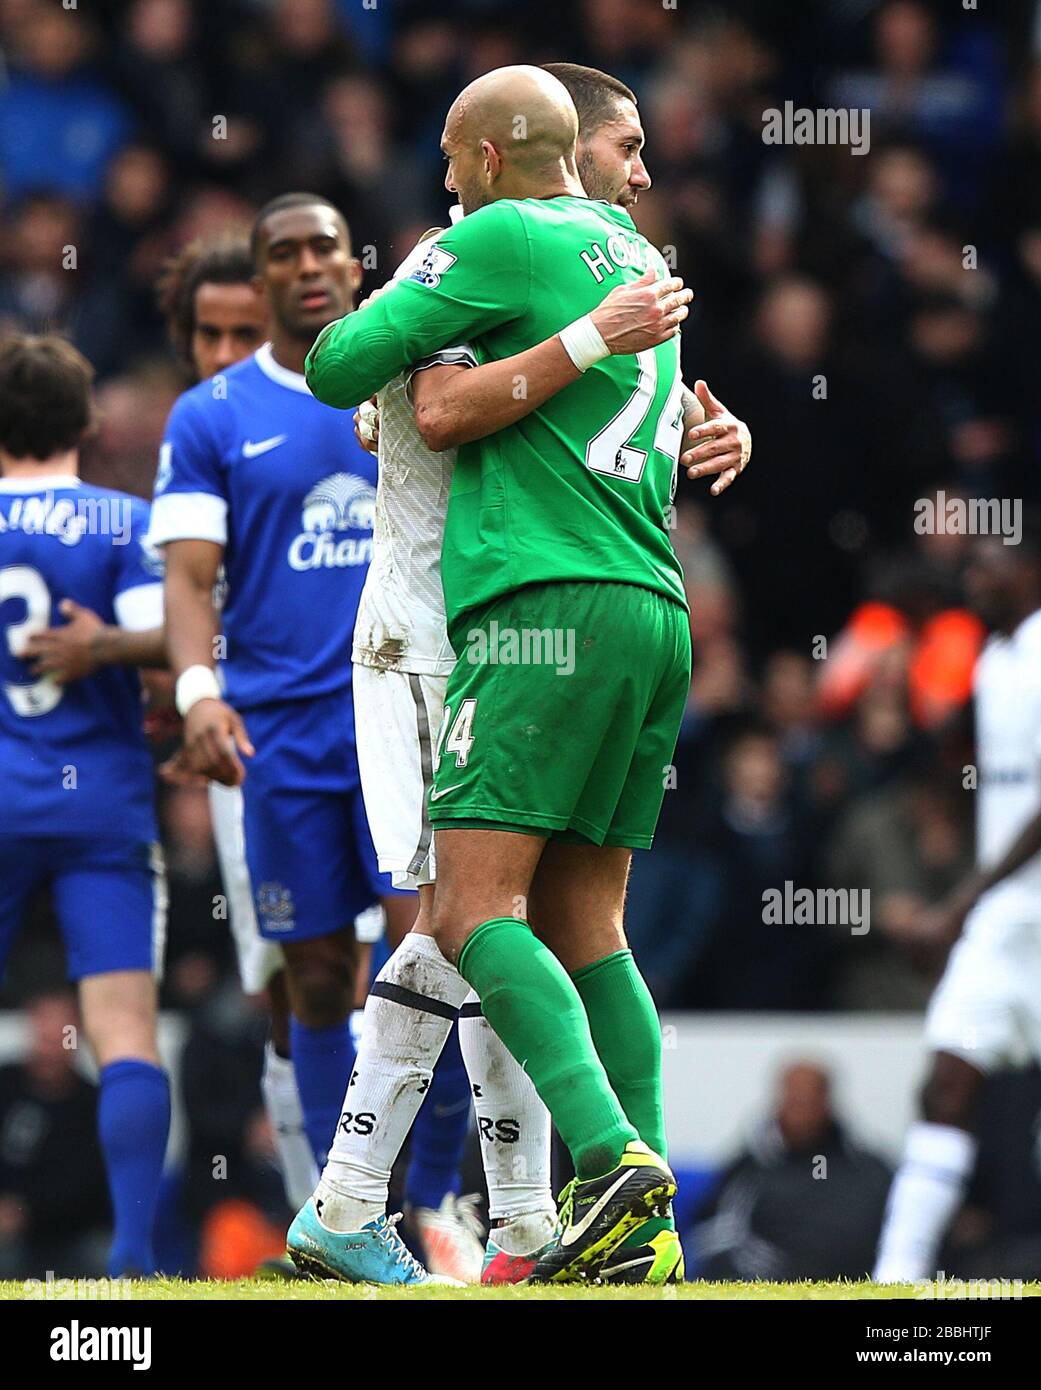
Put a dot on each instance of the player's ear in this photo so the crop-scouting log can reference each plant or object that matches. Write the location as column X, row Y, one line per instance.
column 492, row 161
column 355, row 273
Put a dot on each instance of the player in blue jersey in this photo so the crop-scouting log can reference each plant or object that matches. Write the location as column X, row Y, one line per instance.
column 215, row 318
column 257, row 475
column 76, row 784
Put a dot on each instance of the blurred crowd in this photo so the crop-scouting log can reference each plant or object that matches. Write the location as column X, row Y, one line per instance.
column 875, row 317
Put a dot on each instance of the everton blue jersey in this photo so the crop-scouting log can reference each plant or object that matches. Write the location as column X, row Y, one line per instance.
column 253, row 462
column 73, row 759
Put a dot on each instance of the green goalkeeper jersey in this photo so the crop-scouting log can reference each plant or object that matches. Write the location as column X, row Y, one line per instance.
column 581, row 488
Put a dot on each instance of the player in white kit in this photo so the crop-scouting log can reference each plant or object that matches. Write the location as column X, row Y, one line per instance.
column 986, row 1011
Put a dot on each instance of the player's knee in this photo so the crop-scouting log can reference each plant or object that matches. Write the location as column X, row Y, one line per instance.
column 124, row 1037
column 278, row 1001
column 445, row 932
column 948, row 1100
column 322, row 990
column 451, row 924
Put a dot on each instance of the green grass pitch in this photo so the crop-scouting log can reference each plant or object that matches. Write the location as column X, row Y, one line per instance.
column 172, row 1290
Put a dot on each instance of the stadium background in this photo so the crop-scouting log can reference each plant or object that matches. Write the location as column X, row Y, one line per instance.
column 835, row 313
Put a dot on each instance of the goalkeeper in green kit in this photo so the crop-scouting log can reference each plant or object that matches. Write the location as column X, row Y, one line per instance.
column 567, row 613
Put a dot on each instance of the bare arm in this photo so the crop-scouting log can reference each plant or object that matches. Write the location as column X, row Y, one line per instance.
column 114, row 646
column 1023, row 848
column 455, row 405
column 192, row 624
column 947, row 921
column 84, row 643
column 214, row 734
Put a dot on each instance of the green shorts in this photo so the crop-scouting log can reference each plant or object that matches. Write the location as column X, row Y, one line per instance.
column 562, row 713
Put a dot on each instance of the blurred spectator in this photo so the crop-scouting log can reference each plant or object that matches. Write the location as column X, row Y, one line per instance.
column 45, row 280
column 917, row 641
column 60, row 123
column 789, row 706
column 232, row 1183
column 945, row 98
column 157, row 67
column 199, row 950
column 803, row 1201
column 757, row 837
column 907, row 844
column 131, row 413
column 54, row 1215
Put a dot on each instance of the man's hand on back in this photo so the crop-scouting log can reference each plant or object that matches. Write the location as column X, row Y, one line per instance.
column 67, row 653
column 722, row 444
column 642, row 314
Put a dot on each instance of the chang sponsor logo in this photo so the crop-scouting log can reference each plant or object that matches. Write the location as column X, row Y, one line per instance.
column 340, row 503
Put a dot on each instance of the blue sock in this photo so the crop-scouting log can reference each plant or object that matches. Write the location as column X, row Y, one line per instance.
column 133, row 1125
column 323, row 1059
column 439, row 1131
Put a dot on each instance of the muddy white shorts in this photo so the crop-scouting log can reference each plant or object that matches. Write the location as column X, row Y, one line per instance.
column 397, row 719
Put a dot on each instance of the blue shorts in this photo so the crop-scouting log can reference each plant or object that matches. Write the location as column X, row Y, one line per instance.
column 310, row 854
column 109, row 897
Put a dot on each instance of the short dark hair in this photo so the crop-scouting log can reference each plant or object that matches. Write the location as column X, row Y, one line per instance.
column 279, row 204
column 596, row 94
column 45, row 395
column 225, row 261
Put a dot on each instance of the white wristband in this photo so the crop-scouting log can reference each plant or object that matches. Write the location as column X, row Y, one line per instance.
column 583, row 343
column 194, row 684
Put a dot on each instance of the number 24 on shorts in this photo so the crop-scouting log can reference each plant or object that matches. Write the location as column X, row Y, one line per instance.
column 460, row 738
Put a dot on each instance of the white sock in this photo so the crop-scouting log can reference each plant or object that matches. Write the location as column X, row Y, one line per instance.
column 408, row 1016
column 513, row 1123
column 926, row 1193
column 524, row 1235
column 282, row 1102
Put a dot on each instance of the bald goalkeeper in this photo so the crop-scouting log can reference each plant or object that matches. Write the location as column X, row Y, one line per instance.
column 566, row 610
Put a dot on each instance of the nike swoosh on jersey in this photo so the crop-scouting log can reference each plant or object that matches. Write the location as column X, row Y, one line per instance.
column 251, row 450
column 573, row 1232
column 436, row 796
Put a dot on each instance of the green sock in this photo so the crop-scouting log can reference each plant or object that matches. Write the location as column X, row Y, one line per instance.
column 528, row 998
column 627, row 1037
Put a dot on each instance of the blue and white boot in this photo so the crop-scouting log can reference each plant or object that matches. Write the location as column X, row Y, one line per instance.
column 374, row 1255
